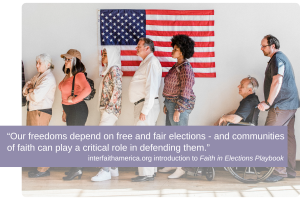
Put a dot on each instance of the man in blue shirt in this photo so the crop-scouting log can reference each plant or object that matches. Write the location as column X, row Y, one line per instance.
column 281, row 101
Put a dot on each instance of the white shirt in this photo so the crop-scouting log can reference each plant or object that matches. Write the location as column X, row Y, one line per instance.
column 146, row 82
column 44, row 86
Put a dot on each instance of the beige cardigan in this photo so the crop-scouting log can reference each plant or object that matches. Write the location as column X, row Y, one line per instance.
column 44, row 86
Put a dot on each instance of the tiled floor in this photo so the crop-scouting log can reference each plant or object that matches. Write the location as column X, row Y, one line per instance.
column 224, row 185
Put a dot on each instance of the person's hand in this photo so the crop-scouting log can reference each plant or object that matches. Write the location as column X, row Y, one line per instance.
column 64, row 117
column 217, row 122
column 70, row 99
column 165, row 110
column 222, row 121
column 176, row 116
column 29, row 86
column 142, row 117
column 263, row 106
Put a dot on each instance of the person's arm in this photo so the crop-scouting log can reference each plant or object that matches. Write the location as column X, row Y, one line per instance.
column 275, row 86
column 28, row 85
column 153, row 76
column 230, row 113
column 116, row 96
column 233, row 118
column 41, row 90
column 186, row 84
column 242, row 112
column 84, row 84
column 64, row 116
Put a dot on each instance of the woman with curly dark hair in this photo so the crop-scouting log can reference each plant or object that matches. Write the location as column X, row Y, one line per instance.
column 178, row 92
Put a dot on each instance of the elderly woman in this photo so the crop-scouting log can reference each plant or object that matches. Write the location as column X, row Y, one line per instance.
column 110, row 99
column 75, row 110
column 178, row 92
column 39, row 92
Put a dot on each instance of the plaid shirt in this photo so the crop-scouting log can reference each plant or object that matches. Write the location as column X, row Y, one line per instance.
column 178, row 86
column 111, row 97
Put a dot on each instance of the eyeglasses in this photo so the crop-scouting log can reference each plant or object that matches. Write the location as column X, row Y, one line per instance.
column 264, row 46
column 67, row 59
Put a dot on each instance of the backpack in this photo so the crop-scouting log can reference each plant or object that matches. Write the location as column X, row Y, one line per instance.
column 91, row 83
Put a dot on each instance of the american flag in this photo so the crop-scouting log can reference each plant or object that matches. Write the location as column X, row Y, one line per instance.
column 125, row 27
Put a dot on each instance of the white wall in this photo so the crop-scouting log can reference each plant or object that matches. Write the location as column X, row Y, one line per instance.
column 239, row 28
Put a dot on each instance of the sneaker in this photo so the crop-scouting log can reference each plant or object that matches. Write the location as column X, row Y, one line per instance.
column 101, row 176
column 273, row 178
column 114, row 172
column 177, row 174
column 167, row 169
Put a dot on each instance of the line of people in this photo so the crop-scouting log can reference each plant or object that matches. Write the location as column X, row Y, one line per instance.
column 281, row 97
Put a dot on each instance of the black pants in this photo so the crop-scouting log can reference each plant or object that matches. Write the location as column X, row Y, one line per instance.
column 76, row 113
column 76, row 116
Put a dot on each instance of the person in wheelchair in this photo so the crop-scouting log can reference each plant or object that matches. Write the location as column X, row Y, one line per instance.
column 244, row 113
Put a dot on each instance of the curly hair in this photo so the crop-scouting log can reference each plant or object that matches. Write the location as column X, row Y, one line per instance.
column 185, row 44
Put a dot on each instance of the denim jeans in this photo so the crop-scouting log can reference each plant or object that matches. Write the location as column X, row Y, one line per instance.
column 183, row 118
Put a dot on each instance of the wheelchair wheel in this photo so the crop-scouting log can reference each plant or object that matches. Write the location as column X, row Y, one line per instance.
column 254, row 176
column 209, row 173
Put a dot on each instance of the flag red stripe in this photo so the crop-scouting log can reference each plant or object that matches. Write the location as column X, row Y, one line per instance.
column 171, row 33
column 206, row 75
column 194, row 65
column 179, row 12
column 128, row 52
column 128, row 73
column 179, row 23
column 197, row 44
column 204, row 54
column 130, row 63
column 196, row 54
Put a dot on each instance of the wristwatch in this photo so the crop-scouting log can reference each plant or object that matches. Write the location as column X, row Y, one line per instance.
column 268, row 103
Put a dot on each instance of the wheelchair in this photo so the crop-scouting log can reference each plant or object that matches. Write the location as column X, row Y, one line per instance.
column 208, row 172
column 243, row 174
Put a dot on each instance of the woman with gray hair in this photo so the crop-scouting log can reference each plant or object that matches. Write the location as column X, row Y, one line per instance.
column 39, row 92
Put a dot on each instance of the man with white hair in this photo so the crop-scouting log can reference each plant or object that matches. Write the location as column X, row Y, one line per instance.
column 244, row 113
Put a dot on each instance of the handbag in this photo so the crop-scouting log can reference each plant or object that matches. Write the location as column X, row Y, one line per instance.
column 91, row 83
